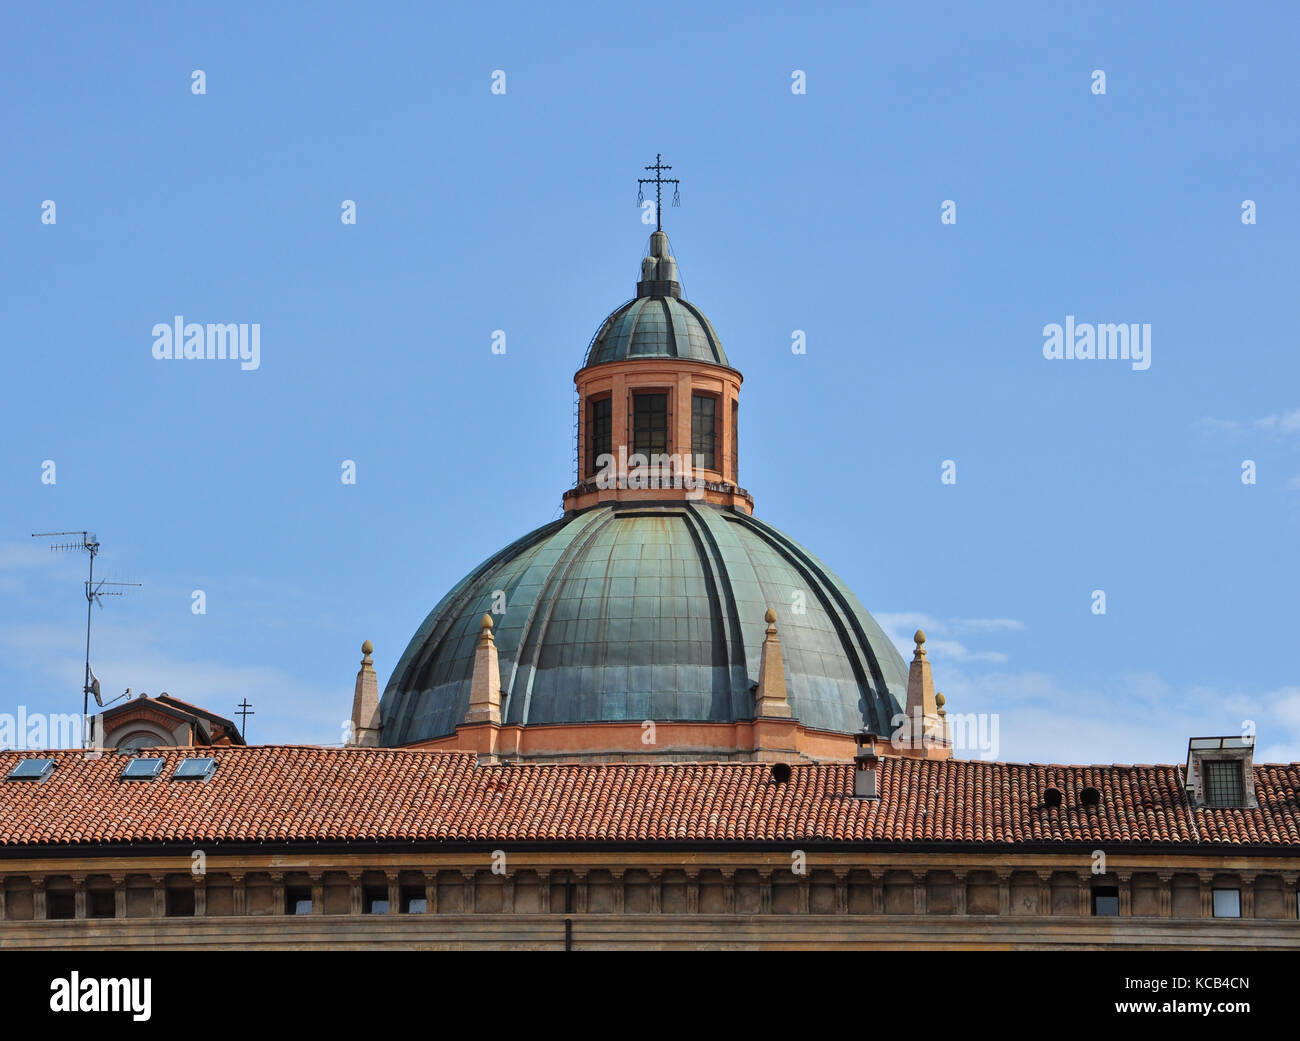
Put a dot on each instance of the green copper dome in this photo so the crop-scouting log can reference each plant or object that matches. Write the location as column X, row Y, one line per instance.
column 658, row 323
column 637, row 611
column 656, row 327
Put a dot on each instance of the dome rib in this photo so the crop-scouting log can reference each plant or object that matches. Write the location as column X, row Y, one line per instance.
column 595, row 522
column 715, row 345
column 656, row 327
column 417, row 661
column 733, row 640
column 857, row 647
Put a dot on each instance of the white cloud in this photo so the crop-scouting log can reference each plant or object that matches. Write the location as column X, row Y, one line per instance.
column 1226, row 427
column 951, row 650
column 288, row 708
column 988, row 624
column 14, row 555
column 1136, row 718
column 1281, row 424
column 901, row 626
column 1286, row 423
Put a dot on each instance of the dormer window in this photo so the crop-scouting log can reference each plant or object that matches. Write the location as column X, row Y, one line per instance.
column 1223, row 785
column 1220, row 772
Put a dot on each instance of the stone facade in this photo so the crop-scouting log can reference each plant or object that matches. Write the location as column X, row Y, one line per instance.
column 697, row 899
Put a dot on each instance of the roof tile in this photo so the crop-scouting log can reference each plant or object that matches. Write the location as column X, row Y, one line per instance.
column 305, row 793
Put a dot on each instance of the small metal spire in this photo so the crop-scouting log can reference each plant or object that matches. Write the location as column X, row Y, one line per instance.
column 245, row 710
column 658, row 180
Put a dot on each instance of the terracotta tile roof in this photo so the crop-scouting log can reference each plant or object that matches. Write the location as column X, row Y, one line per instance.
column 304, row 793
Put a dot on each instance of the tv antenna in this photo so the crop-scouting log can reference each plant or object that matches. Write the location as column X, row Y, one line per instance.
column 86, row 542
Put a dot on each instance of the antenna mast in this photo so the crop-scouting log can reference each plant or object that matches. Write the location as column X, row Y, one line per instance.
column 86, row 542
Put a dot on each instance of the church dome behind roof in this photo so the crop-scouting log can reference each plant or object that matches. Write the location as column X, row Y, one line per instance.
column 636, row 612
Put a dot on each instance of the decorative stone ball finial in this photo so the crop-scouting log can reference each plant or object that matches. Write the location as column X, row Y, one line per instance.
column 485, row 628
column 919, row 637
column 367, row 648
column 769, row 616
column 920, row 645
column 940, row 701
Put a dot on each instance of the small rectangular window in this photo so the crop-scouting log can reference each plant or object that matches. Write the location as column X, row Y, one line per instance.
column 599, row 432
column 180, row 902
column 1227, row 903
column 1223, row 785
column 31, row 770
column 297, row 899
column 650, row 424
column 735, row 442
column 60, row 904
column 195, row 769
column 144, row 769
column 375, row 899
column 704, row 431
column 413, row 900
column 101, row 903
column 1105, row 901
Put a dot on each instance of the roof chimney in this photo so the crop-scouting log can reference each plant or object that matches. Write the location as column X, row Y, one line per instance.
column 864, row 767
column 365, row 703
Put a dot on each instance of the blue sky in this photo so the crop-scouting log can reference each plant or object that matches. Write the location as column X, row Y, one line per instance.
column 819, row 212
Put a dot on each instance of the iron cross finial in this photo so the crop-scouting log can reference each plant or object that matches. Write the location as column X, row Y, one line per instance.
column 245, row 710
column 658, row 180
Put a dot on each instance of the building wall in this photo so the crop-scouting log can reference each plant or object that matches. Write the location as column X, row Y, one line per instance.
column 658, row 901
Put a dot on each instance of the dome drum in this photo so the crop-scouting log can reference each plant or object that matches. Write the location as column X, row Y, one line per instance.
column 689, row 450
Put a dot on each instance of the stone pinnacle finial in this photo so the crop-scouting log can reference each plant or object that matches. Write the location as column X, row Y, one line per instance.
column 365, row 728
column 485, row 679
column 924, row 730
column 770, row 697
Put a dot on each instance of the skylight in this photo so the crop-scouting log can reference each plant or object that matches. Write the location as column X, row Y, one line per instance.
column 195, row 769
column 31, row 770
column 143, row 769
